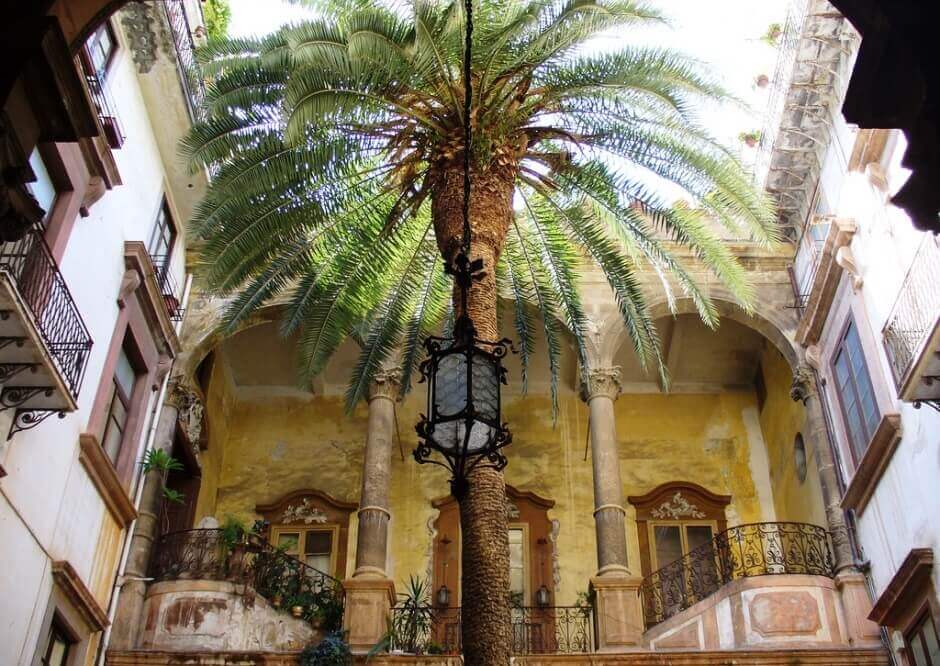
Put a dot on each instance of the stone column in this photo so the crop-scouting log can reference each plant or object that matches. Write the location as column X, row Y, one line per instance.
column 372, row 540
column 617, row 601
column 856, row 604
column 128, row 621
column 370, row 594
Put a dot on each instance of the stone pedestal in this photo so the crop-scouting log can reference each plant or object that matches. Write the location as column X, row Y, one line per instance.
column 368, row 603
column 856, row 606
column 619, row 613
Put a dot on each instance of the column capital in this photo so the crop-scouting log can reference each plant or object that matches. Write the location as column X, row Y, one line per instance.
column 385, row 384
column 189, row 406
column 600, row 382
column 803, row 386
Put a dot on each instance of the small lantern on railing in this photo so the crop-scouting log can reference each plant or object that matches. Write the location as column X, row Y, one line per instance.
column 464, row 376
column 442, row 598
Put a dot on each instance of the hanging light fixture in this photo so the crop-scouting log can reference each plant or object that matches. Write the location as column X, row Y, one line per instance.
column 464, row 373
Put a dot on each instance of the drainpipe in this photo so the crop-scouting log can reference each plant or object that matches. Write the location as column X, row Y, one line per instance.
column 138, row 493
column 861, row 563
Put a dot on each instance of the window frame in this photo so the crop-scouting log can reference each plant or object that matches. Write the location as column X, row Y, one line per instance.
column 86, row 52
column 163, row 214
column 57, row 628
column 526, row 564
column 683, row 536
column 922, row 619
column 839, row 348
column 278, row 530
column 129, row 349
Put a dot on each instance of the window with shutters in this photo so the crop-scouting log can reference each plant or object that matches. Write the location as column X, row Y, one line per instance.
column 854, row 389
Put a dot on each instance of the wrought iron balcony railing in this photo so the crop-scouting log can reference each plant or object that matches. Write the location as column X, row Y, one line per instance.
column 105, row 108
column 168, row 286
column 190, row 73
column 809, row 251
column 212, row 554
column 535, row 630
column 31, row 268
column 757, row 549
column 915, row 315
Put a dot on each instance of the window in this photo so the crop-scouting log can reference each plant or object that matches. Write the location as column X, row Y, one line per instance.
column 313, row 547
column 923, row 648
column 672, row 541
column 161, row 242
column 44, row 188
column 517, row 568
column 119, row 404
column 856, row 395
column 100, row 49
column 799, row 457
column 57, row 647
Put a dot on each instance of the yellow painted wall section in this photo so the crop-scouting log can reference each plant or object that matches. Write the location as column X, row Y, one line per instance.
column 219, row 405
column 279, row 444
column 781, row 419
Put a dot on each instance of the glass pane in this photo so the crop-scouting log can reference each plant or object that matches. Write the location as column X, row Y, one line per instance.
column 288, row 541
column 42, row 189
column 932, row 646
column 698, row 535
column 918, row 657
column 485, row 387
column 319, row 562
column 319, row 543
column 124, row 374
column 114, row 427
column 58, row 651
column 668, row 544
column 517, row 564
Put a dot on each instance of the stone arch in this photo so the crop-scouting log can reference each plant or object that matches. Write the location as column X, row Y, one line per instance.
column 775, row 326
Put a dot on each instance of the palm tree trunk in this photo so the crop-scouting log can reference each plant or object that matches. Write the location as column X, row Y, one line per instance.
column 485, row 616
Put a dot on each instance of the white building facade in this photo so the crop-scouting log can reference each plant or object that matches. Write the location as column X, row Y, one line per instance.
column 94, row 286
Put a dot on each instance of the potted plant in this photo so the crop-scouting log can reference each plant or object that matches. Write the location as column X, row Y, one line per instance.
column 158, row 460
column 750, row 139
column 333, row 650
column 772, row 36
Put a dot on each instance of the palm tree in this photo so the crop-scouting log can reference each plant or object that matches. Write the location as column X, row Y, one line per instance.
column 337, row 152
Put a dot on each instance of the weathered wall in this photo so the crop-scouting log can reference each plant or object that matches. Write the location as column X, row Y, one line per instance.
column 781, row 419
column 218, row 405
column 283, row 443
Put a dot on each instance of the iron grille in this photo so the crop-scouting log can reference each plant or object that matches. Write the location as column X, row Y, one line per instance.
column 30, row 266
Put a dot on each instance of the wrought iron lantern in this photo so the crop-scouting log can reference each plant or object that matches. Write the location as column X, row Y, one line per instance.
column 464, row 376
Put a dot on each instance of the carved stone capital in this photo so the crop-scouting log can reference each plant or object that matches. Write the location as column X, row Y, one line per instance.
column 803, row 386
column 190, row 410
column 385, row 384
column 604, row 382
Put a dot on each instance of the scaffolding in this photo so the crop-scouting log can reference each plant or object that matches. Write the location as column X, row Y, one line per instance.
column 813, row 67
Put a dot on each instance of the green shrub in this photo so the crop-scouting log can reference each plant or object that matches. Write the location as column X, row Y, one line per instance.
column 331, row 651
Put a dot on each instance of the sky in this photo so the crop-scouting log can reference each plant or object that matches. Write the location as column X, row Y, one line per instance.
column 725, row 34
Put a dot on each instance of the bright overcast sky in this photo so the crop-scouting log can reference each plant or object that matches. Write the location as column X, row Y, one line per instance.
column 724, row 33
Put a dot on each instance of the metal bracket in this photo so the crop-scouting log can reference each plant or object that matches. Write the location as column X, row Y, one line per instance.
column 15, row 396
column 10, row 370
column 26, row 419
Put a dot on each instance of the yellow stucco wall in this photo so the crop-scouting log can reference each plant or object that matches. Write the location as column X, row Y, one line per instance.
column 219, row 404
column 781, row 419
column 278, row 444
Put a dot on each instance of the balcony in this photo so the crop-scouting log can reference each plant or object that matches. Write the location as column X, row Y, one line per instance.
column 104, row 107
column 536, row 630
column 262, row 598
column 168, row 286
column 44, row 344
column 760, row 549
column 912, row 334
column 190, row 75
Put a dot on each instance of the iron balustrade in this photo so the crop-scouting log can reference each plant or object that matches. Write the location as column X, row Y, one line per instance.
column 757, row 549
column 535, row 630
column 30, row 266
column 191, row 80
column 168, row 286
column 915, row 311
column 211, row 554
column 809, row 252
column 104, row 107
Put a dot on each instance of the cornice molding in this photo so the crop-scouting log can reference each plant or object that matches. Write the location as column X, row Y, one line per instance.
column 105, row 479
column 71, row 585
column 912, row 580
column 873, row 464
